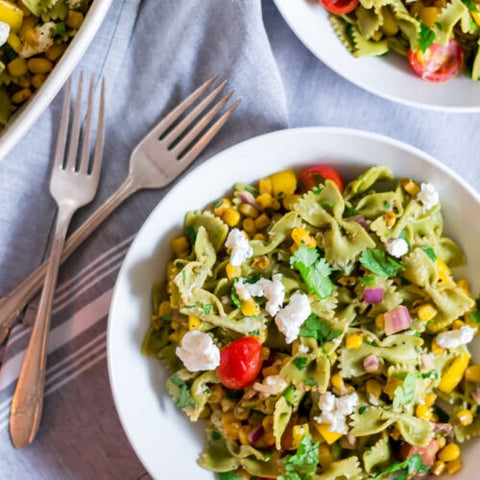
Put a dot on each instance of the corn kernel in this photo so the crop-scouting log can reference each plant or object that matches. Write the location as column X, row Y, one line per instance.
column 289, row 201
column 430, row 399
column 377, row 35
column 298, row 432
column 164, row 308
column 17, row 67
column 231, row 430
column 390, row 25
column 21, row 96
column 265, row 186
column 249, row 226
column 324, row 455
column 390, row 218
column 354, row 341
column 423, row 412
column 55, row 51
column 14, row 42
column 74, row 19
column 453, row 374
column 231, row 217
column 337, row 381
column 194, row 323
column 454, row 466
column 216, row 393
column 180, row 245
column 259, row 236
column 244, row 433
column 283, row 183
column 328, row 436
column 250, row 308
column 472, row 374
column 301, row 237
column 248, row 210
column 39, row 65
column 426, row 312
column 444, row 274
column 464, row 417
column 449, row 453
column 276, row 205
column 373, row 387
column 221, row 206
column 270, row 370
column 265, row 200
column 262, row 221
column 232, row 272
column 410, row 186
column 380, row 322
column 38, row 79
column 11, row 14
column 438, row 468
column 391, row 386
column 436, row 349
column 457, row 324
column 347, row 280
column 31, row 37
column 260, row 262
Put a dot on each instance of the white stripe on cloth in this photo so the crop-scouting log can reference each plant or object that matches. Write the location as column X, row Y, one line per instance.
column 68, row 365
column 77, row 324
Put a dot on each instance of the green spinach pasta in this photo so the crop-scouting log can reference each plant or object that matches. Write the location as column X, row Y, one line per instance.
column 318, row 330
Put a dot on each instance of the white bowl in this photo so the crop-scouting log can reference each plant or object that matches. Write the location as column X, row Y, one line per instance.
column 390, row 77
column 28, row 114
column 163, row 438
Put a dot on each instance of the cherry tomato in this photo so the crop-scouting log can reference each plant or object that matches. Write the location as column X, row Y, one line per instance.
column 240, row 362
column 438, row 63
column 317, row 174
column 339, row 7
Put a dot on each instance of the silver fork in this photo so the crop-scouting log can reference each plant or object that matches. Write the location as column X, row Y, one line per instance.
column 165, row 152
column 72, row 184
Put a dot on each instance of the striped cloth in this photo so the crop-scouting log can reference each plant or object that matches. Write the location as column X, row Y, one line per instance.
column 152, row 60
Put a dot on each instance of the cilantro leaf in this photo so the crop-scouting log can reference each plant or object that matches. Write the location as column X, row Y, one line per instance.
column 191, row 234
column 411, row 466
column 227, row 475
column 429, row 252
column 367, row 281
column 314, row 270
column 300, row 362
column 471, row 5
column 184, row 398
column 303, row 463
column 207, row 308
column 406, row 392
column 320, row 330
column 377, row 262
column 58, row 30
column 234, row 296
column 426, row 36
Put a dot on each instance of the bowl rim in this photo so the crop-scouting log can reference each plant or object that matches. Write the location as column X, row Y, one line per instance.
column 367, row 135
column 15, row 130
column 311, row 46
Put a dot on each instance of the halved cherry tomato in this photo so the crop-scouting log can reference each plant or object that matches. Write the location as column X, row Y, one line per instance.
column 339, row 7
column 317, row 174
column 438, row 63
column 240, row 362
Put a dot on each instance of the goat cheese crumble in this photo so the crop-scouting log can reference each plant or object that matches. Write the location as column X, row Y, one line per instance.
column 4, row 33
column 241, row 250
column 44, row 41
column 335, row 410
column 455, row 338
column 428, row 196
column 290, row 318
column 198, row 352
column 397, row 248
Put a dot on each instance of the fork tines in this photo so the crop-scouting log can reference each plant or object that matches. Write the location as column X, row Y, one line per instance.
column 185, row 138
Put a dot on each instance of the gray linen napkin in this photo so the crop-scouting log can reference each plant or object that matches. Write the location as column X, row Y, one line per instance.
column 175, row 46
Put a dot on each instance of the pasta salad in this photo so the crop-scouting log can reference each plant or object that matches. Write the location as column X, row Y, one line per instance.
column 439, row 37
column 33, row 36
column 319, row 331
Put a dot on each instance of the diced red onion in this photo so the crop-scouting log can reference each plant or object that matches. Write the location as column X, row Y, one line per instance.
column 247, row 197
column 360, row 219
column 371, row 364
column 255, row 434
column 373, row 294
column 397, row 320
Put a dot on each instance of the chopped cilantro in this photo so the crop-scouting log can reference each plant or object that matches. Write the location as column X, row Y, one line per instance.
column 207, row 308
column 184, row 277
column 328, row 203
column 403, row 236
column 289, row 394
column 430, row 374
column 314, row 270
column 367, row 281
column 310, row 382
column 377, row 262
column 8, row 53
column 227, row 475
column 234, row 297
column 216, row 435
column 429, row 252
column 191, row 234
column 471, row 5
column 218, row 204
column 319, row 329
column 300, row 362
column 184, row 398
column 350, row 212
column 318, row 191
column 362, row 410
column 411, row 467
column 58, row 30
column 475, row 316
column 167, row 317
column 254, row 278
column 251, row 190
column 406, row 392
column 303, row 463
column 387, row 205
column 426, row 36
column 254, row 332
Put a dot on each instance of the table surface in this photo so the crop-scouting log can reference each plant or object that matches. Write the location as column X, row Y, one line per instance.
column 282, row 85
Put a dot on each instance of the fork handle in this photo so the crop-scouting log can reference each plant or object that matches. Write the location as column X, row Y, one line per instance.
column 27, row 400
column 12, row 304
